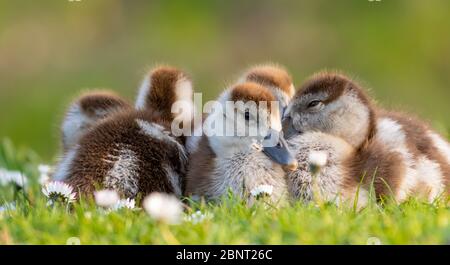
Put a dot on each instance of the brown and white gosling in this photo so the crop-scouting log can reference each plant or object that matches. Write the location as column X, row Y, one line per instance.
column 400, row 155
column 86, row 111
column 134, row 151
column 238, row 162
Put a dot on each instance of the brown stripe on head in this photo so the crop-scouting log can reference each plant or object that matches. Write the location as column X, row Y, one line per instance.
column 162, row 88
column 334, row 85
column 271, row 76
column 100, row 103
column 260, row 96
column 250, row 91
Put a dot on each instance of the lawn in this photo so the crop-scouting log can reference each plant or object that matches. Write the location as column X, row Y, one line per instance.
column 32, row 221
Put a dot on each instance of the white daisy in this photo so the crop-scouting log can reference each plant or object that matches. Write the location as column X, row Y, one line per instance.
column 318, row 158
column 262, row 190
column 124, row 203
column 58, row 191
column 44, row 171
column 198, row 217
column 163, row 207
column 106, row 198
column 14, row 177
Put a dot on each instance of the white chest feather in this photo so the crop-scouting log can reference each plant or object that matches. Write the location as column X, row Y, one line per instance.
column 243, row 172
column 328, row 180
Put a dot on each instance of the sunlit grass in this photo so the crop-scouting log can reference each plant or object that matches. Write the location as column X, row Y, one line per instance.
column 232, row 222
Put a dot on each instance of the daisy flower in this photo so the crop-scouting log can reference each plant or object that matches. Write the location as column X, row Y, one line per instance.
column 262, row 190
column 163, row 207
column 124, row 203
column 106, row 198
column 198, row 217
column 14, row 177
column 58, row 191
column 44, row 171
column 317, row 160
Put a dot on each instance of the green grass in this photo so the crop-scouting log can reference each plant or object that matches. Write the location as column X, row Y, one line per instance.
column 32, row 222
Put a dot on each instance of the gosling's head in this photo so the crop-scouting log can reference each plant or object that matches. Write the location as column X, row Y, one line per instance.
column 276, row 78
column 331, row 103
column 245, row 120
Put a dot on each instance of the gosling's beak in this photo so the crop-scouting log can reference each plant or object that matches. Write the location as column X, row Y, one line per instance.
column 288, row 128
column 280, row 152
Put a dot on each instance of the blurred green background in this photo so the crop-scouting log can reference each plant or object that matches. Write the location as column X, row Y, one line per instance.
column 52, row 50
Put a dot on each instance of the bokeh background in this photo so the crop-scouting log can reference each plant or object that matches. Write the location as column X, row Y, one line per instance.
column 52, row 50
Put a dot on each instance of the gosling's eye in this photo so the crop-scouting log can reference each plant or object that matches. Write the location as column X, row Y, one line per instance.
column 247, row 116
column 314, row 104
